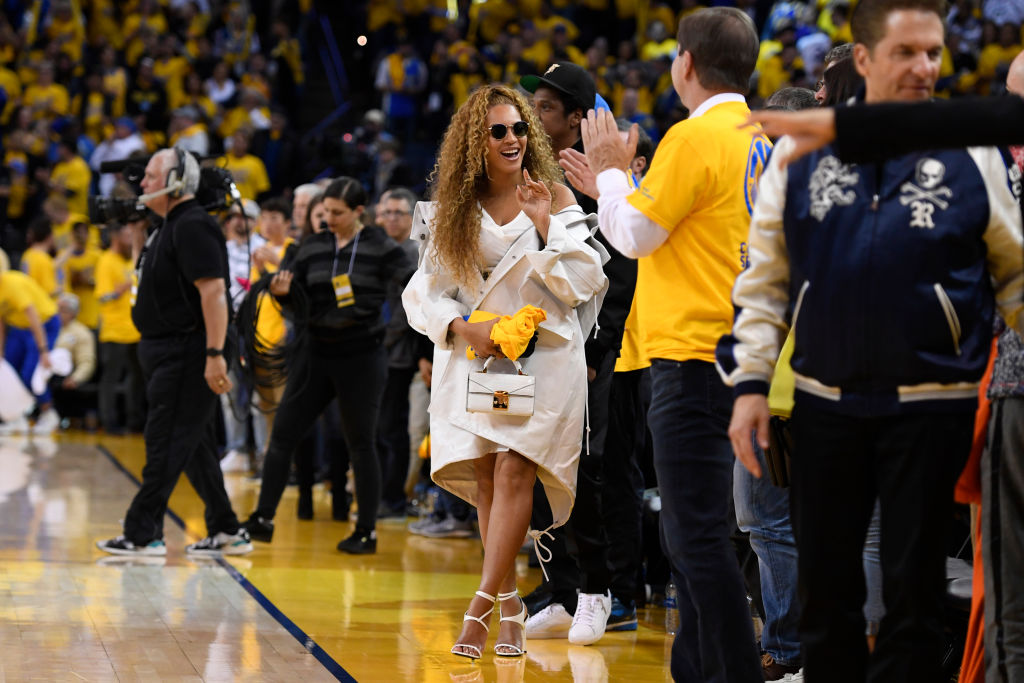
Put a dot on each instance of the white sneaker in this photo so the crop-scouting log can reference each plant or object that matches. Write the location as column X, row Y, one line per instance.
column 551, row 622
column 591, row 618
column 48, row 421
column 235, row 461
column 19, row 426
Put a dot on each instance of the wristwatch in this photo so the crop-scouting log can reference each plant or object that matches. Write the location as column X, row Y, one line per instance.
column 213, row 353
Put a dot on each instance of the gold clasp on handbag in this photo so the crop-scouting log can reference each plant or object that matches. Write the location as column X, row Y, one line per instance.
column 500, row 401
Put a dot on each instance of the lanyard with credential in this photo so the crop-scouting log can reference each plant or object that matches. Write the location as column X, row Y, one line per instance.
column 343, row 294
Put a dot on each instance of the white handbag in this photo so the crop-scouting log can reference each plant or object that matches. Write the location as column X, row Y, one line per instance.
column 500, row 393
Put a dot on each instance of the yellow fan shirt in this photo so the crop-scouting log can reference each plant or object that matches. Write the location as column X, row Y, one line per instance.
column 82, row 268
column 700, row 189
column 74, row 177
column 270, row 327
column 249, row 173
column 40, row 266
column 116, row 326
column 17, row 292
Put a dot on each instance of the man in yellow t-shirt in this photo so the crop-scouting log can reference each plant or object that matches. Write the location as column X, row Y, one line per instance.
column 248, row 171
column 36, row 262
column 687, row 224
column 28, row 317
column 119, row 339
column 79, row 264
column 71, row 177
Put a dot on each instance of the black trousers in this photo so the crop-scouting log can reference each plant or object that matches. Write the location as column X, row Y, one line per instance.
column 393, row 436
column 581, row 548
column 623, row 491
column 357, row 380
column 120, row 365
column 839, row 465
column 180, row 436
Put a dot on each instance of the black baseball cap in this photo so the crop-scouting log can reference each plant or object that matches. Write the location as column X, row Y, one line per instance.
column 568, row 78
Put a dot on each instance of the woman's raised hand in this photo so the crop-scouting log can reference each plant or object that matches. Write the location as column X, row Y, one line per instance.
column 535, row 200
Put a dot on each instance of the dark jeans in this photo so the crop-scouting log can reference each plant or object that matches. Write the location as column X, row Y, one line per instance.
column 839, row 465
column 393, row 436
column 120, row 367
column 689, row 419
column 180, row 435
column 357, row 380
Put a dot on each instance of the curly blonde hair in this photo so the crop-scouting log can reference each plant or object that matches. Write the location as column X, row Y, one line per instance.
column 460, row 177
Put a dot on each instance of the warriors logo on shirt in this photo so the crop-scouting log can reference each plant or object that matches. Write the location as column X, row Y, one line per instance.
column 757, row 159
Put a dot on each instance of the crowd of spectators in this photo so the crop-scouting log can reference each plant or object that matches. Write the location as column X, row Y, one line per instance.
column 426, row 66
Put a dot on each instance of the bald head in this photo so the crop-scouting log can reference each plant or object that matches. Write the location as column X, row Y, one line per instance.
column 1015, row 77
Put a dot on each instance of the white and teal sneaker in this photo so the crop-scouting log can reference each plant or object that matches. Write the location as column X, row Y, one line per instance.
column 122, row 546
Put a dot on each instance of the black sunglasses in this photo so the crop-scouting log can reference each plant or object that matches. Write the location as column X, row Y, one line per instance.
column 500, row 130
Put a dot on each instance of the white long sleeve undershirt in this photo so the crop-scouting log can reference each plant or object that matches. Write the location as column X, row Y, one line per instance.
column 631, row 232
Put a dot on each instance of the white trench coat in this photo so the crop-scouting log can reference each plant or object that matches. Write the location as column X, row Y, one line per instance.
column 565, row 278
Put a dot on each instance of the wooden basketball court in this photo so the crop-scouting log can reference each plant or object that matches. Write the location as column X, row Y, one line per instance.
column 292, row 610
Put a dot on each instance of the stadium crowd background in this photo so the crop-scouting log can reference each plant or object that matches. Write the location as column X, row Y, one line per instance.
column 284, row 92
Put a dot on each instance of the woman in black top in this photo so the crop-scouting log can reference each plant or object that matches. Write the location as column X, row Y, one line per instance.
column 344, row 273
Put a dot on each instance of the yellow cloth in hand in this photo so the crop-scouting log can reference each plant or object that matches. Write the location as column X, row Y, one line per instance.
column 512, row 333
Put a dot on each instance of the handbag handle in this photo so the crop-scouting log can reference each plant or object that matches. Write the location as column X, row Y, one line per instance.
column 519, row 368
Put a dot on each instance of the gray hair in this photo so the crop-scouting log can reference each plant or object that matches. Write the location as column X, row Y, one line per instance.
column 70, row 300
column 308, row 189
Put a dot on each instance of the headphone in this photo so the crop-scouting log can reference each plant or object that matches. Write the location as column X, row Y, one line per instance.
column 183, row 179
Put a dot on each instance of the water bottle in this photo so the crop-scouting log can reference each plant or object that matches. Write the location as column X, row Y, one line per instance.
column 671, row 609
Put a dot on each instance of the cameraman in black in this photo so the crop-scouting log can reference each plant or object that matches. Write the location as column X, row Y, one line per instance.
column 181, row 309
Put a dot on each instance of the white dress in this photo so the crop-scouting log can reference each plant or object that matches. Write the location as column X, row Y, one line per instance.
column 561, row 276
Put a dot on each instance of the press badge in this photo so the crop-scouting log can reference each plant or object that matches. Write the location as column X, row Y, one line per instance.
column 343, row 295
column 135, row 287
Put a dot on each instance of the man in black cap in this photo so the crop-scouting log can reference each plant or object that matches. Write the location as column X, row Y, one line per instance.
column 561, row 98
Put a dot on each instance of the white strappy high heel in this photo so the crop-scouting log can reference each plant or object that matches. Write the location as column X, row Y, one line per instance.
column 480, row 620
column 512, row 650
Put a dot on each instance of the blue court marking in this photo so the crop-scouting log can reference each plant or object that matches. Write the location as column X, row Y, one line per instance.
column 311, row 646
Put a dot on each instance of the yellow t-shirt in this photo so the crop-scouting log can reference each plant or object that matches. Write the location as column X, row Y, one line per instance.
column 74, row 176
column 62, row 232
column 116, row 324
column 630, row 355
column 17, row 292
column 249, row 173
column 47, row 101
column 84, row 265
column 40, row 266
column 701, row 189
column 270, row 329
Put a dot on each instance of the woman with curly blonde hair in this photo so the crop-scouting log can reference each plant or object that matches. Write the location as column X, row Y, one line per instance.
column 502, row 233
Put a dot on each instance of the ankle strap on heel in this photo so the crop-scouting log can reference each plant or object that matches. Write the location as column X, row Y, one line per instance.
column 509, row 595
column 485, row 596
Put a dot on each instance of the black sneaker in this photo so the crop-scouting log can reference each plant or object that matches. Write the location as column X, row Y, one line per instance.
column 122, row 546
column 359, row 543
column 259, row 528
column 622, row 616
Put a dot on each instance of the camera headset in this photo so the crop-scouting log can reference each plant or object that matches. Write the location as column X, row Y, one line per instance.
column 182, row 180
